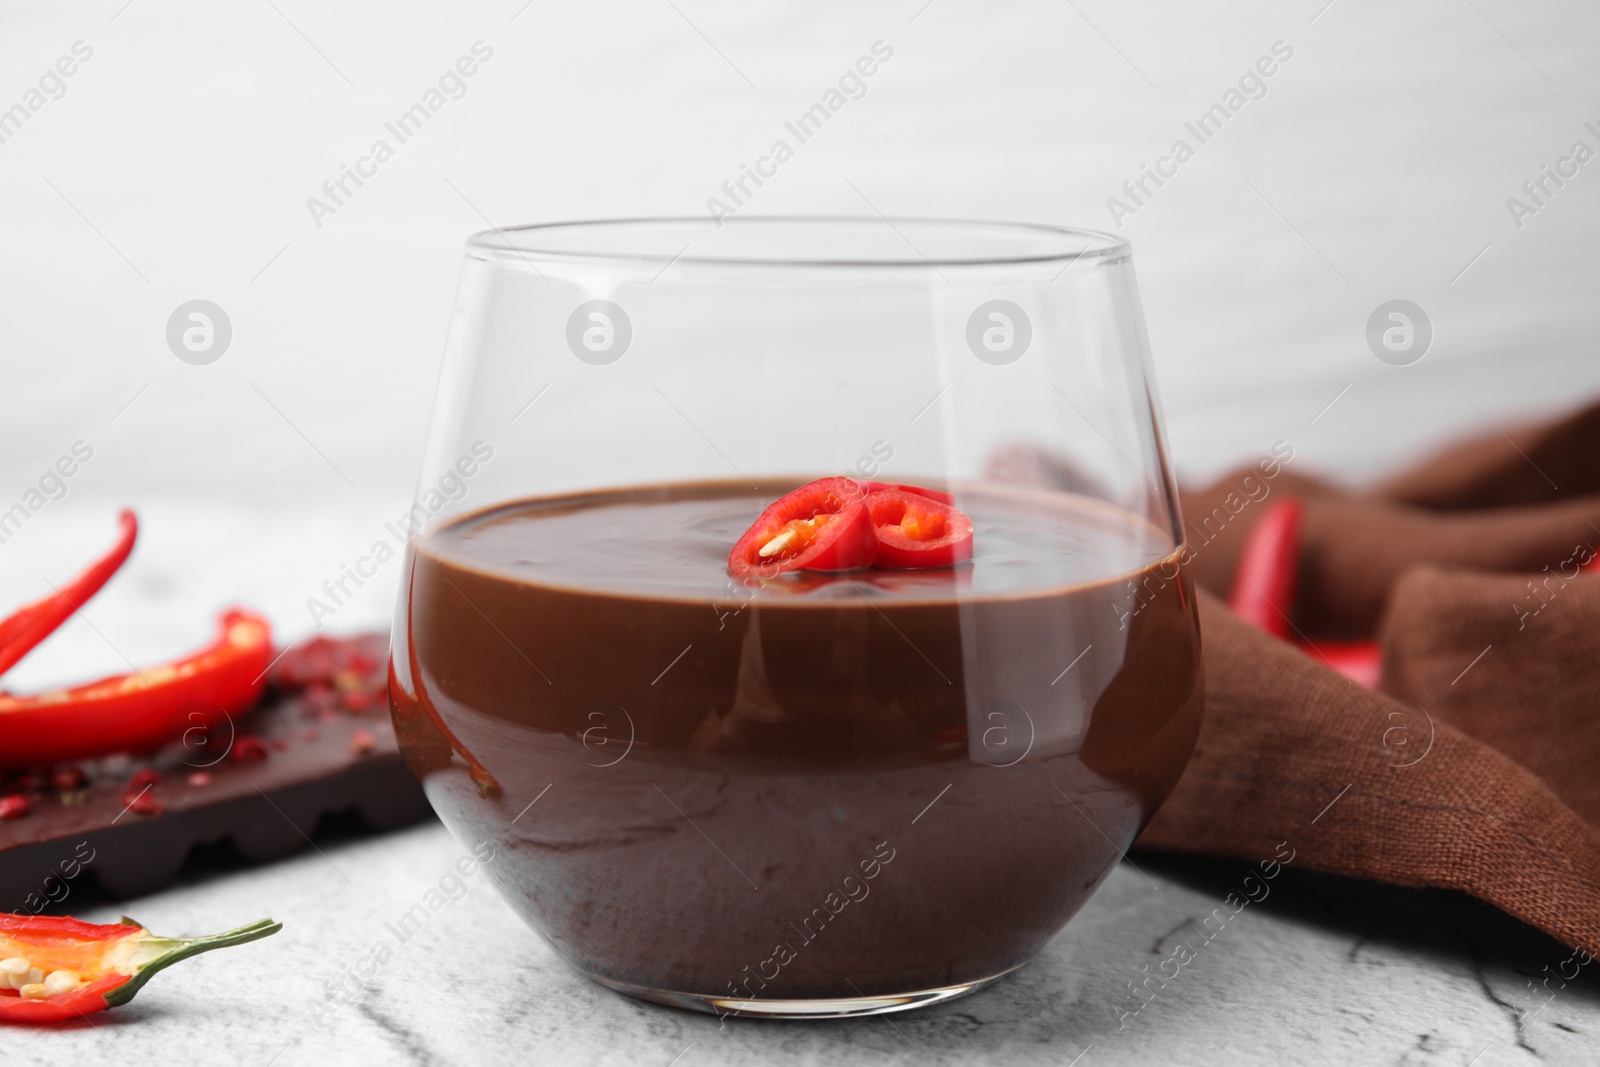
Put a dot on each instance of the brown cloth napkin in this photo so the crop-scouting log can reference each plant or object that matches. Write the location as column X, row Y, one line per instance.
column 1475, row 767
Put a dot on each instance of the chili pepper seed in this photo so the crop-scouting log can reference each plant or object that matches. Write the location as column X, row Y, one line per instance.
column 248, row 749
column 18, row 972
column 62, row 981
column 11, row 970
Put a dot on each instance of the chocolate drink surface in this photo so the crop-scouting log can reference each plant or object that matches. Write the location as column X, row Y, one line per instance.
column 815, row 786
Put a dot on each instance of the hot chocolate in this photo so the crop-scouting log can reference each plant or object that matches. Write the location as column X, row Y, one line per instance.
column 769, row 795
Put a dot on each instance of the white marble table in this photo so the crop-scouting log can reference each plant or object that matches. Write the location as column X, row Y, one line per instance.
column 1323, row 970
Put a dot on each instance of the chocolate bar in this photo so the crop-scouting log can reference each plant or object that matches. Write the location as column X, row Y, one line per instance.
column 319, row 744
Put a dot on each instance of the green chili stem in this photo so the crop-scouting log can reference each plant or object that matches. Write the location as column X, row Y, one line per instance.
column 174, row 949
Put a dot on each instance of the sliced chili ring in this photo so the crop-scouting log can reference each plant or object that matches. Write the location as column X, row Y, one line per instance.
column 932, row 494
column 916, row 532
column 821, row 526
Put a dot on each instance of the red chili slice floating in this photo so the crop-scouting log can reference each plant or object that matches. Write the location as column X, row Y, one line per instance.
column 932, row 494
column 916, row 531
column 821, row 526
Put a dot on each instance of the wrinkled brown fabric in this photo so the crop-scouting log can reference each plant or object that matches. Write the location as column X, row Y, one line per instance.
column 1529, row 465
column 1475, row 768
column 1361, row 784
column 1357, row 545
column 1514, row 668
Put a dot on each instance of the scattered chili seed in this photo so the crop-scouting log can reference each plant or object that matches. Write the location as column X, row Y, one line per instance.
column 140, row 802
column 15, row 806
column 321, row 697
column 358, row 700
column 362, row 743
column 248, row 749
column 68, row 779
column 144, row 778
column 198, row 778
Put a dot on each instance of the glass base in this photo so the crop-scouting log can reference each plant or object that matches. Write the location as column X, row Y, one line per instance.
column 811, row 1008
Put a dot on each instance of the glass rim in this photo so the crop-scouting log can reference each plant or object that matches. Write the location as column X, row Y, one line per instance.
column 512, row 243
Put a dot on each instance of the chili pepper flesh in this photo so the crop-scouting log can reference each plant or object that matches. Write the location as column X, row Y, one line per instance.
column 143, row 710
column 940, row 495
column 795, row 537
column 57, row 969
column 917, row 531
column 821, row 526
column 29, row 625
column 838, row 524
column 1265, row 576
column 1263, row 594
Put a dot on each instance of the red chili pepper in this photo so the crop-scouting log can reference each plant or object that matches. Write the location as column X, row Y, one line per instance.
column 143, row 710
column 29, row 625
column 1264, row 579
column 1263, row 594
column 915, row 531
column 1359, row 661
column 932, row 494
column 59, row 969
column 821, row 526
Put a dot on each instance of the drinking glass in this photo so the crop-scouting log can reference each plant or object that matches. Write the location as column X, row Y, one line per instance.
column 794, row 793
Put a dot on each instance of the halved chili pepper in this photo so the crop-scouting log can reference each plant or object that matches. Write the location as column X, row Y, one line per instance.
column 143, row 710
column 1265, row 576
column 1263, row 594
column 29, row 625
column 58, row 969
column 821, row 526
column 1359, row 661
column 932, row 494
column 916, row 531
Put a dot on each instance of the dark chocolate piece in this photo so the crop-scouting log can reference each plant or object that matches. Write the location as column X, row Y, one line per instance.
column 319, row 744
